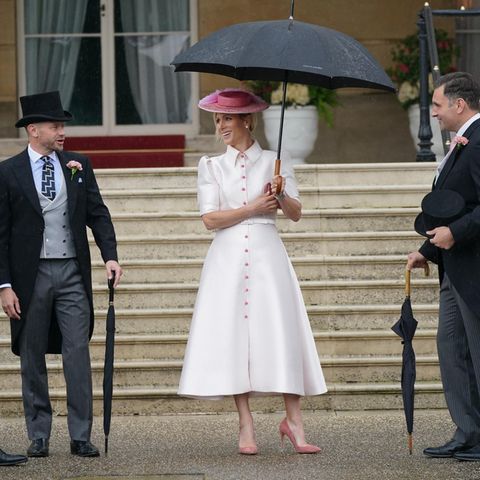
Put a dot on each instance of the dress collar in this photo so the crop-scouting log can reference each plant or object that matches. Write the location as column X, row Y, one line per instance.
column 253, row 153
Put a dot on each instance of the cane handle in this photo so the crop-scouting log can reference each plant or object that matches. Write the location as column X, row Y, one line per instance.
column 407, row 278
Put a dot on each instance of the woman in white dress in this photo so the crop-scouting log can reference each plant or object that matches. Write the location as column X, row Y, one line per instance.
column 250, row 332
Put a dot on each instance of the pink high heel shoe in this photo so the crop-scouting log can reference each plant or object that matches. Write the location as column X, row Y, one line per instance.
column 285, row 430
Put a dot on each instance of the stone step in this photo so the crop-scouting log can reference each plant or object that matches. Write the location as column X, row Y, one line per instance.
column 345, row 343
column 315, row 292
column 307, row 268
column 171, row 200
column 157, row 401
column 321, row 220
column 149, row 178
column 297, row 244
column 306, row 175
column 175, row 321
column 166, row 373
column 420, row 173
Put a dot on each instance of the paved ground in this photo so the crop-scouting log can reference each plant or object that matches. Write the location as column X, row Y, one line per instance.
column 356, row 446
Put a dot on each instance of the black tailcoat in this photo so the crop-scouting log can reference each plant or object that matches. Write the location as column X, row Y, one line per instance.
column 461, row 263
column 22, row 225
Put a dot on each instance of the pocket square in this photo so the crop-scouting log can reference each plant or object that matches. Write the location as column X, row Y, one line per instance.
column 80, row 180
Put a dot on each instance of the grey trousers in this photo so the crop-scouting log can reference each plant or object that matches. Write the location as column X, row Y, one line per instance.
column 458, row 343
column 58, row 288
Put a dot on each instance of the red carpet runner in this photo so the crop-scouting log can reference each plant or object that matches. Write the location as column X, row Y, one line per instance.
column 130, row 152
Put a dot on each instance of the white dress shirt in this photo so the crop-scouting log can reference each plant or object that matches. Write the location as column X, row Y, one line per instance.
column 460, row 132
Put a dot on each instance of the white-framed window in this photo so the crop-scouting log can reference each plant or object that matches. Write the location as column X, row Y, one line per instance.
column 110, row 60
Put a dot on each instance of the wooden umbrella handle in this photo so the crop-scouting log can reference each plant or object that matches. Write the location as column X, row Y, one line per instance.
column 407, row 279
column 407, row 282
column 276, row 172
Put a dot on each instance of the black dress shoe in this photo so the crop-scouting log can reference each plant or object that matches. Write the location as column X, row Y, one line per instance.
column 7, row 459
column 470, row 455
column 38, row 448
column 83, row 449
column 447, row 450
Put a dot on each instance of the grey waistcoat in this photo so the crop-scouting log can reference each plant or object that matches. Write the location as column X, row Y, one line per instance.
column 57, row 236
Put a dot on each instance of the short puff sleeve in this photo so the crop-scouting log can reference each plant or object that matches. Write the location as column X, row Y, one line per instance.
column 289, row 177
column 208, row 191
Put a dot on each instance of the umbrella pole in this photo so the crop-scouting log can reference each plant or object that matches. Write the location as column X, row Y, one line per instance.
column 278, row 162
column 410, row 443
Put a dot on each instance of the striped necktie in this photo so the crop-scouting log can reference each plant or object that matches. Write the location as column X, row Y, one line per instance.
column 48, row 179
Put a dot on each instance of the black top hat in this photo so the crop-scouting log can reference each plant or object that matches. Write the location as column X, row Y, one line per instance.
column 439, row 209
column 42, row 107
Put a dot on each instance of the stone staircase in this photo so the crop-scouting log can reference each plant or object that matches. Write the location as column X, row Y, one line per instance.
column 349, row 252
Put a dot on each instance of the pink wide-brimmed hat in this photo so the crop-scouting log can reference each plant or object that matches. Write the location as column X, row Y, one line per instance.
column 232, row 100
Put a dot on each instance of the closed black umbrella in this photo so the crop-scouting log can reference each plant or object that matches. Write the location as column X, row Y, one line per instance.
column 286, row 51
column 405, row 328
column 108, row 366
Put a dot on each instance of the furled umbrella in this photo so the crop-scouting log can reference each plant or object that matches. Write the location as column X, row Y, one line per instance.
column 108, row 366
column 286, row 51
column 405, row 328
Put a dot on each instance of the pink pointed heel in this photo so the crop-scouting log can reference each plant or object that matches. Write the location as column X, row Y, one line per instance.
column 285, row 430
column 247, row 450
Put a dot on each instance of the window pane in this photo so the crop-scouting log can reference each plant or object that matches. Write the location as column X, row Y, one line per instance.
column 86, row 103
column 148, row 91
column 58, row 16
column 72, row 66
column 151, row 16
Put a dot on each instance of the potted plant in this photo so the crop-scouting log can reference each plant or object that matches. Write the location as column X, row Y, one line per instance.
column 405, row 72
column 305, row 104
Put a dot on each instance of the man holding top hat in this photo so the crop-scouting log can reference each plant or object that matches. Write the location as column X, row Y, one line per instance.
column 47, row 199
column 450, row 219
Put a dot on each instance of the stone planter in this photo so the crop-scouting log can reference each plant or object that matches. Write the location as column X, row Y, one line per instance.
column 300, row 130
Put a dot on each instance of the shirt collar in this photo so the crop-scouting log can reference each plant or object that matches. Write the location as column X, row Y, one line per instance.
column 252, row 154
column 465, row 126
column 35, row 156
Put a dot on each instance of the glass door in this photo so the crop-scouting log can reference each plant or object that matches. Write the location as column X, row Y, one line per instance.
column 110, row 60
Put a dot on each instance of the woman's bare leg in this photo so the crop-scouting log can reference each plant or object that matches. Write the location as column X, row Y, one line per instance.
column 247, row 431
column 294, row 417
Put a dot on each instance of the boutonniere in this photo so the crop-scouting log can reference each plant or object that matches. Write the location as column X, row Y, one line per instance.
column 460, row 141
column 74, row 166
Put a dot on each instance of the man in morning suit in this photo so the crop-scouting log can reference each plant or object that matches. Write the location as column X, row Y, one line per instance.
column 47, row 199
column 456, row 250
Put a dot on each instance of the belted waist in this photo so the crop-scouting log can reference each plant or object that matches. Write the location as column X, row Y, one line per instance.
column 258, row 220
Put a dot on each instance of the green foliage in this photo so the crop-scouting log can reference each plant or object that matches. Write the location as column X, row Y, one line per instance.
column 405, row 71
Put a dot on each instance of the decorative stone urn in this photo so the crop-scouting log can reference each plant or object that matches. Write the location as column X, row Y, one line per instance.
column 414, row 119
column 300, row 129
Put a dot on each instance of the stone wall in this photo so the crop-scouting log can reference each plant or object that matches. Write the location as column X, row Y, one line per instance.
column 8, row 69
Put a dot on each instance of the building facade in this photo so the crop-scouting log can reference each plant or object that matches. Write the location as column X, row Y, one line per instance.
column 110, row 60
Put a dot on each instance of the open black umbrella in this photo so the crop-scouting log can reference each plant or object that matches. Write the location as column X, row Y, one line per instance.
column 405, row 328
column 286, row 51
column 108, row 366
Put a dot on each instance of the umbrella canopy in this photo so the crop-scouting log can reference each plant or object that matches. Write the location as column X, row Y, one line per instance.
column 108, row 366
column 286, row 51
column 405, row 328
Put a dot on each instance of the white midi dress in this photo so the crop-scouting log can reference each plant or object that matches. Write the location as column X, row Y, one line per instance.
column 250, row 331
